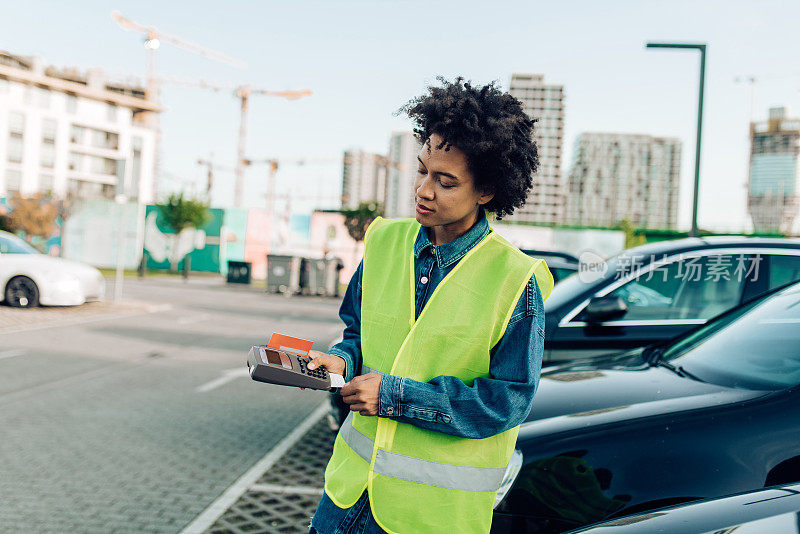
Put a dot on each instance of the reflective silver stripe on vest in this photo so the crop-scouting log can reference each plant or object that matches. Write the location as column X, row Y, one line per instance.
column 357, row 441
column 394, row 465
column 456, row 477
column 365, row 370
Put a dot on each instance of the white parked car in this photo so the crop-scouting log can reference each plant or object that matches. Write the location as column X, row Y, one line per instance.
column 29, row 278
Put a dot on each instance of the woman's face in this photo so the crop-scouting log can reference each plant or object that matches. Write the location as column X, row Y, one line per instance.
column 444, row 189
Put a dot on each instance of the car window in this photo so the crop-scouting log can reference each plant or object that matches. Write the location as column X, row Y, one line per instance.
column 783, row 269
column 697, row 287
column 559, row 273
column 15, row 245
column 757, row 346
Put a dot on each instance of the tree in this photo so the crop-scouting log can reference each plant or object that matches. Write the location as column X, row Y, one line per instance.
column 358, row 220
column 5, row 220
column 633, row 237
column 180, row 213
column 35, row 216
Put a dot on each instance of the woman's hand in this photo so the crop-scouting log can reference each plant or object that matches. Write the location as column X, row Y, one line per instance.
column 363, row 393
column 334, row 364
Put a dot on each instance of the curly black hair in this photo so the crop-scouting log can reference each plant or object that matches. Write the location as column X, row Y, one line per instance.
column 490, row 127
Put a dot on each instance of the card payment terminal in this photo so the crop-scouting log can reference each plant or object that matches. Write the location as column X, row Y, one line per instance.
column 275, row 366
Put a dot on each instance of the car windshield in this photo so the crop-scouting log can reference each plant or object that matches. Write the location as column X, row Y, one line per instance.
column 11, row 244
column 756, row 346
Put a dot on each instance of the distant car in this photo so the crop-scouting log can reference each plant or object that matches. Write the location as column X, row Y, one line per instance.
column 561, row 264
column 657, row 291
column 711, row 413
column 773, row 510
column 29, row 278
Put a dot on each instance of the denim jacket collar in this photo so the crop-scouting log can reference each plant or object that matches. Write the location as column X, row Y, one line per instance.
column 451, row 252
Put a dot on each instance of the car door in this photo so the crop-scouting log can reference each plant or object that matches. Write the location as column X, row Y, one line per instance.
column 664, row 298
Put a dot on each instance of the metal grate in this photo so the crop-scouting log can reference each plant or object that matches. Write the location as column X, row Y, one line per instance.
column 285, row 497
column 304, row 464
column 267, row 512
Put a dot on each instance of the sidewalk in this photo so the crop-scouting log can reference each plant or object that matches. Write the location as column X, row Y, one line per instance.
column 21, row 319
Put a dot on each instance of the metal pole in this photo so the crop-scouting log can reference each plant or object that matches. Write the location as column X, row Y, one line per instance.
column 121, row 199
column 242, row 93
column 702, row 49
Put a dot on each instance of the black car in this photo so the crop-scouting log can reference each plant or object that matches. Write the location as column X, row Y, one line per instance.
column 657, row 291
column 561, row 264
column 774, row 510
column 711, row 413
column 652, row 293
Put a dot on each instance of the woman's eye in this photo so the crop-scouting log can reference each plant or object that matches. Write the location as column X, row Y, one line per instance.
column 448, row 186
column 420, row 171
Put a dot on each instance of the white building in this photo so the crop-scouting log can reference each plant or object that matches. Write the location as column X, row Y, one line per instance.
column 68, row 132
column 402, row 171
column 773, row 198
column 363, row 178
column 544, row 102
column 624, row 176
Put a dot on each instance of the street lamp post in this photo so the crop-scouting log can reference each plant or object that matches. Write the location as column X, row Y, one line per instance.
column 702, row 49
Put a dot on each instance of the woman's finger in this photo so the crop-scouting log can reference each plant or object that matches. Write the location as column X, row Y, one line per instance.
column 316, row 361
column 350, row 399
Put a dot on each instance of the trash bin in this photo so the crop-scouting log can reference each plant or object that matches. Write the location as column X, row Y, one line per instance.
column 332, row 268
column 312, row 276
column 283, row 274
column 239, row 272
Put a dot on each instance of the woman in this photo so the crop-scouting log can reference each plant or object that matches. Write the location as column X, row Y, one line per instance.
column 444, row 331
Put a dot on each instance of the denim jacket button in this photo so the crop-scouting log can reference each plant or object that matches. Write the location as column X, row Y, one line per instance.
column 424, row 279
column 390, row 410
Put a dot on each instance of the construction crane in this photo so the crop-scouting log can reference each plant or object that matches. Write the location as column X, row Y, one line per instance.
column 152, row 41
column 753, row 80
column 243, row 93
column 273, row 165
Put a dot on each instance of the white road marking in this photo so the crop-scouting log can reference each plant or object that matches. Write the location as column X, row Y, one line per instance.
column 11, row 353
column 202, row 522
column 189, row 319
column 227, row 376
column 274, row 488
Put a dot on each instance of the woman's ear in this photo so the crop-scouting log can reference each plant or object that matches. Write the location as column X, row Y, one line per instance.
column 485, row 197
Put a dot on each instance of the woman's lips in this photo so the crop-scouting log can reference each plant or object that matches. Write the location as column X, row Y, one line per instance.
column 423, row 210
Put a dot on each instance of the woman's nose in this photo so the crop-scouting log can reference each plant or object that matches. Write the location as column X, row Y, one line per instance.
column 425, row 189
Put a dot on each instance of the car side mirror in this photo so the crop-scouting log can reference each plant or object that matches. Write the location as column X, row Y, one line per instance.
column 601, row 309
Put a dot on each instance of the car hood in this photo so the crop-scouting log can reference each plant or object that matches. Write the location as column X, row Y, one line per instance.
column 620, row 388
column 48, row 266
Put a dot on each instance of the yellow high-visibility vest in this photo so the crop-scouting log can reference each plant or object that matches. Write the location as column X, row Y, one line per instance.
column 420, row 480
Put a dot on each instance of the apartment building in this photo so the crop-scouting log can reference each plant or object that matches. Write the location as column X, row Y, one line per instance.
column 624, row 176
column 70, row 132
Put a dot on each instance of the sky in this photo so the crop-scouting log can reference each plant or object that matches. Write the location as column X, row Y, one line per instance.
column 363, row 59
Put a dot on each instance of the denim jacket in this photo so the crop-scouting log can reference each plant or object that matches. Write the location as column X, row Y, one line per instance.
column 445, row 404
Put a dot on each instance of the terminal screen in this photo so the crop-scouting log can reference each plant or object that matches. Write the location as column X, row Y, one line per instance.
column 273, row 357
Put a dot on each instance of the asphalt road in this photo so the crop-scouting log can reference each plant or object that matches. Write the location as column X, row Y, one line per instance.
column 137, row 417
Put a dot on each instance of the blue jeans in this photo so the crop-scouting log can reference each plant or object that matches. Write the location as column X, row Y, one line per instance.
column 330, row 519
